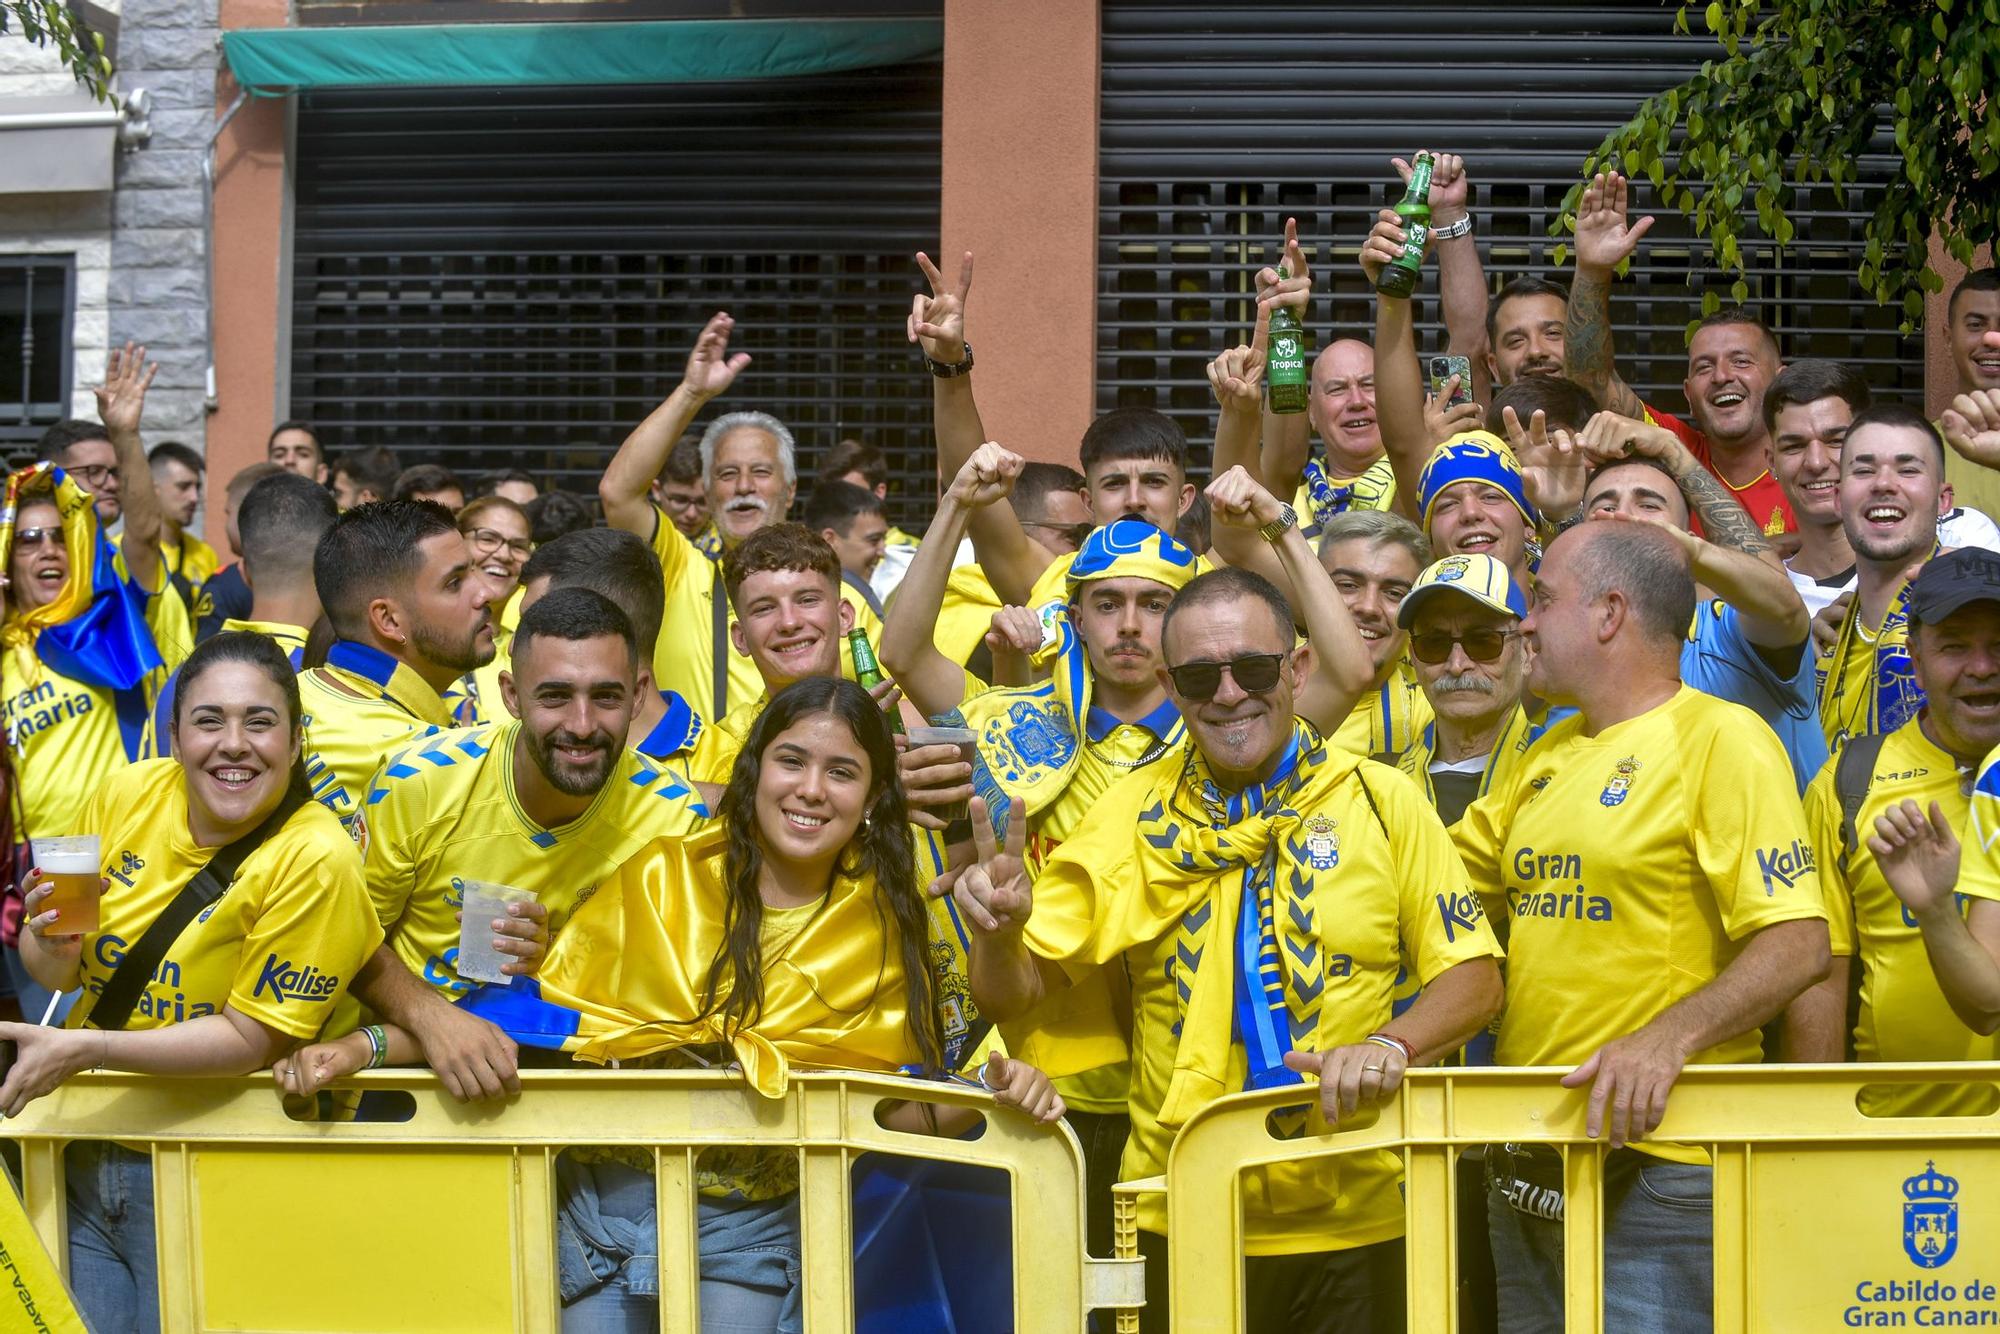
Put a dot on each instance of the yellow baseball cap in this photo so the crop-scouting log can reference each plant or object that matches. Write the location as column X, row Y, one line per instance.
column 1479, row 577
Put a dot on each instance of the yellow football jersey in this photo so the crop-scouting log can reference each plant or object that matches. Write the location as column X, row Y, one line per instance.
column 716, row 749
column 1633, row 864
column 966, row 613
column 1904, row 1015
column 1388, row 719
column 69, row 737
column 445, row 811
column 281, row 945
column 1866, row 682
column 361, row 706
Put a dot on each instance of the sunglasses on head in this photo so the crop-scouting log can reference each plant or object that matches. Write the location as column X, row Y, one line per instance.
column 1434, row 646
column 1254, row 673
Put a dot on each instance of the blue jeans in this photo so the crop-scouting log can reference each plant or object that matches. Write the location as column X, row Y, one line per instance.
column 1659, row 1254
column 607, row 1256
column 112, row 1267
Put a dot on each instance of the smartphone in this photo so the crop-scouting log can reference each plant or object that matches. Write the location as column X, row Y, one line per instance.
column 1443, row 368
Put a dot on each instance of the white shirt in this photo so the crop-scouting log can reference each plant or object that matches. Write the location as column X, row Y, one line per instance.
column 1963, row 527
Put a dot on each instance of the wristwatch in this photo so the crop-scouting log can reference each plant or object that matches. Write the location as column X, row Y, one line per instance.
column 1463, row 227
column 1288, row 519
column 950, row 370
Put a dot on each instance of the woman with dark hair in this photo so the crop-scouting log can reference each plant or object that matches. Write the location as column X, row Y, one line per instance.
column 257, row 969
column 499, row 539
column 790, row 931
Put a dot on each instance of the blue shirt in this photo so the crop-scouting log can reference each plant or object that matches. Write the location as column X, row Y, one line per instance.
column 1719, row 661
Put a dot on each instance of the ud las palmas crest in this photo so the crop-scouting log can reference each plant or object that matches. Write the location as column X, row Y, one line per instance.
column 1031, row 740
column 1621, row 782
column 1930, row 1217
column 1322, row 843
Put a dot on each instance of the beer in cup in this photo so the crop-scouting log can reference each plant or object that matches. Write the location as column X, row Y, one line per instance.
column 477, row 960
column 962, row 737
column 74, row 868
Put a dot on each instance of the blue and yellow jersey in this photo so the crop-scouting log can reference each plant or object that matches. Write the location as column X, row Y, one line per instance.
column 282, row 944
column 445, row 810
column 359, row 708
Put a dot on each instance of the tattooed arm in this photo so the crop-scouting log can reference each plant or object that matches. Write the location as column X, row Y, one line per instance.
column 1603, row 241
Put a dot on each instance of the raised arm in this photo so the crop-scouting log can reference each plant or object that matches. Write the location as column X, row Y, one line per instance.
column 1919, row 856
column 1399, row 384
column 934, row 683
column 626, row 487
column 1734, row 562
column 1011, row 559
column 1604, row 240
column 1972, row 427
column 1286, row 443
column 121, row 401
column 1237, row 376
column 1341, row 671
column 995, row 896
column 1461, row 279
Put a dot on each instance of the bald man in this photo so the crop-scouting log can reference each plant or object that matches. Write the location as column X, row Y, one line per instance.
column 1350, row 471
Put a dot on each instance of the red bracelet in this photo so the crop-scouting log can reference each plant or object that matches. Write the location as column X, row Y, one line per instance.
column 1391, row 1040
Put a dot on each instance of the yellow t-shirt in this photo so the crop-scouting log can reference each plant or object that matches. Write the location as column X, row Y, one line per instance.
column 1374, row 489
column 1633, row 865
column 281, row 945
column 359, row 708
column 965, row 615
column 1388, row 719
column 1904, row 1015
column 160, row 735
column 1979, row 862
column 445, row 811
column 1398, row 891
column 68, row 737
column 1865, row 682
column 190, row 563
column 684, row 657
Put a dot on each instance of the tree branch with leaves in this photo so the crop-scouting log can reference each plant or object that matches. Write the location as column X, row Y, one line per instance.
column 51, row 23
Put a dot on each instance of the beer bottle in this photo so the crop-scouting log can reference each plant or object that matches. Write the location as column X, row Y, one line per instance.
column 868, row 672
column 1285, row 369
column 1400, row 275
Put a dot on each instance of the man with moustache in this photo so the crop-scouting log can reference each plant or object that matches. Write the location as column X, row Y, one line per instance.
column 1808, row 409
column 550, row 802
column 748, row 460
column 1954, row 645
column 1890, row 496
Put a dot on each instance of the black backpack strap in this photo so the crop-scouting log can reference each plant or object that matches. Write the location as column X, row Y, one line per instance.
column 719, row 618
column 1853, row 773
column 863, row 590
column 122, row 989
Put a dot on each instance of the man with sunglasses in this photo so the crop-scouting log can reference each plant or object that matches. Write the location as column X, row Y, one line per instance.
column 1464, row 617
column 1268, row 849
column 1650, row 854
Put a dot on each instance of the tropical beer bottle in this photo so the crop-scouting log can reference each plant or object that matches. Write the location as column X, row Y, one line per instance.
column 1285, row 371
column 868, row 672
column 1400, row 275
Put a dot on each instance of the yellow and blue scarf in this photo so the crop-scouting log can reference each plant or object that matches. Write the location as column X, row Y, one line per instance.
column 94, row 630
column 1030, row 736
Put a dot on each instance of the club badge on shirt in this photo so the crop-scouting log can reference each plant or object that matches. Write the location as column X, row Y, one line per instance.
column 1322, row 843
column 1620, row 785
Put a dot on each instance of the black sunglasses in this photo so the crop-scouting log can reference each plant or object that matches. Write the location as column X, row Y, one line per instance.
column 1434, row 646
column 1256, row 673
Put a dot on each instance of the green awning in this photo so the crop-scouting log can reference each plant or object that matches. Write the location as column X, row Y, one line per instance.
column 275, row 61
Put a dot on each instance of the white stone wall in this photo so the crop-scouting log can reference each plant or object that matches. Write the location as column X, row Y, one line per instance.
column 78, row 224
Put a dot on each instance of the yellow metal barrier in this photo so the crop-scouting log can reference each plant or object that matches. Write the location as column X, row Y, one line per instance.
column 1821, row 1212
column 447, row 1221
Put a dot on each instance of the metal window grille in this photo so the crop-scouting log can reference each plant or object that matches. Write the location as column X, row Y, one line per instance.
column 37, row 303
column 1218, row 122
column 495, row 278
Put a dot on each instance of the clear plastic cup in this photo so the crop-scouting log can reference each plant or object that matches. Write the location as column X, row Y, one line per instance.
column 75, row 866
column 477, row 960
column 966, row 740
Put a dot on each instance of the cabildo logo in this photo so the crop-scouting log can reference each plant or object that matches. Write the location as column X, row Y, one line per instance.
column 1930, row 1218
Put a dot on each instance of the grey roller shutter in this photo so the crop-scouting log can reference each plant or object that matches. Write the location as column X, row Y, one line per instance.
column 1218, row 121
column 512, row 278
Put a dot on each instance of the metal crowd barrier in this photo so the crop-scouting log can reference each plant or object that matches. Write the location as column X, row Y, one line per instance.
column 1825, row 1218
column 446, row 1221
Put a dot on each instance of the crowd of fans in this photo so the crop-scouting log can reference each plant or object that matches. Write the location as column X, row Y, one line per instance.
column 1492, row 717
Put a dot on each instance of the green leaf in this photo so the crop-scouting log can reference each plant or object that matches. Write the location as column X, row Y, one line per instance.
column 1714, row 16
column 1913, row 304
column 1560, row 255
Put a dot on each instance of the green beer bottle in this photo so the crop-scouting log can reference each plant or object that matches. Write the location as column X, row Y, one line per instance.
column 1400, row 275
column 868, row 672
column 1285, row 369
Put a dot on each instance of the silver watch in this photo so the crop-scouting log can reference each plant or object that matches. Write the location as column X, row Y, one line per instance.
column 1450, row 231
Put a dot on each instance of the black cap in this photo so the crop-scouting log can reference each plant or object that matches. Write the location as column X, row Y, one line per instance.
column 1952, row 581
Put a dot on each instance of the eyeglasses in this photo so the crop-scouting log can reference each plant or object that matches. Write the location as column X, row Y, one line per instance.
column 1074, row 534
column 485, row 539
column 34, row 537
column 1434, row 646
column 93, row 474
column 1255, row 673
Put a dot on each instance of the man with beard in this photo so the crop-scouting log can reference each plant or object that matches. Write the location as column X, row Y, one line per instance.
column 409, row 616
column 1954, row 639
column 548, row 803
column 1891, row 486
column 1463, row 616
column 751, row 474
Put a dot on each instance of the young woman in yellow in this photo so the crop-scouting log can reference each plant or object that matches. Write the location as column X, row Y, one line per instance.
column 257, row 970
column 790, row 931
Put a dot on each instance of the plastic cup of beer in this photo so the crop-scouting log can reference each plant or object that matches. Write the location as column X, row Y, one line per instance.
column 962, row 737
column 73, row 865
column 477, row 960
